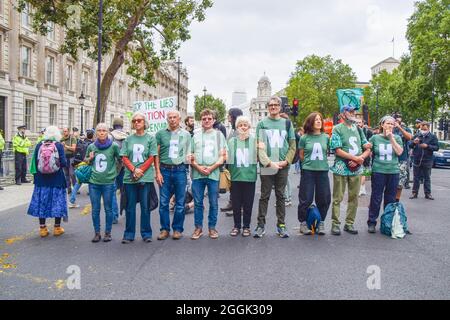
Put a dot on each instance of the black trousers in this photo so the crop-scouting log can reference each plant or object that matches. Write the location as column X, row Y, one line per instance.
column 422, row 172
column 1, row 163
column 243, row 194
column 314, row 183
column 20, row 161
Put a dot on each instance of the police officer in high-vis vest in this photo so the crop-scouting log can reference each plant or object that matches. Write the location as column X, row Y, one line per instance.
column 21, row 146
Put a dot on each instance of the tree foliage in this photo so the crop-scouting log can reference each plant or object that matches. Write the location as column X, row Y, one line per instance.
column 139, row 33
column 209, row 102
column 315, row 81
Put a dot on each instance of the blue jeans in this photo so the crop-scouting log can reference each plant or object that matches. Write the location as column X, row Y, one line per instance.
column 96, row 192
column 135, row 192
column 73, row 196
column 198, row 189
column 381, row 183
column 175, row 181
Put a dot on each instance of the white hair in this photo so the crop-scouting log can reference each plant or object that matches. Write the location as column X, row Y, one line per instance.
column 140, row 114
column 174, row 111
column 52, row 133
column 243, row 119
column 102, row 125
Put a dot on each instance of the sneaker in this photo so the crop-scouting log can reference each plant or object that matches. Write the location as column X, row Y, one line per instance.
column 107, row 237
column 335, row 230
column 350, row 229
column 197, row 234
column 73, row 205
column 43, row 232
column 58, row 231
column 146, row 240
column 213, row 234
column 304, row 229
column 163, row 235
column 429, row 196
column 177, row 235
column 96, row 238
column 288, row 203
column 259, row 232
column 282, row 231
column 371, row 229
column 321, row 230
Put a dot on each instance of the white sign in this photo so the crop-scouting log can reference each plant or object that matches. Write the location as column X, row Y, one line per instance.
column 156, row 112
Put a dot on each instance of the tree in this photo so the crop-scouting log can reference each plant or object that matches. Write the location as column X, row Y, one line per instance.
column 209, row 102
column 139, row 33
column 315, row 81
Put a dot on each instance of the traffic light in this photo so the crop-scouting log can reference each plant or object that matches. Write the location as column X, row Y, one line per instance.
column 295, row 103
column 441, row 124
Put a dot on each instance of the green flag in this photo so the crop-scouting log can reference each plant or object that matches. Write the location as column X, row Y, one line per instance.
column 351, row 97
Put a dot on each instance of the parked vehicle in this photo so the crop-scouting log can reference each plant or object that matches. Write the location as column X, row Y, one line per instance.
column 442, row 156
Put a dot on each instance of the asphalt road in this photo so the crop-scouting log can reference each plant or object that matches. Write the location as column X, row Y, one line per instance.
column 417, row 267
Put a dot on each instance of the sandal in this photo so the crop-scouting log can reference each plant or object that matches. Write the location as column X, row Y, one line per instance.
column 246, row 233
column 235, row 232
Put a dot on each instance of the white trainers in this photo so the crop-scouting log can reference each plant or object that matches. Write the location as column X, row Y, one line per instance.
column 73, row 205
column 362, row 191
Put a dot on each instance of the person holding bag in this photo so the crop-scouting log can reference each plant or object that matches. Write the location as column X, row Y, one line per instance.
column 138, row 153
column 351, row 149
column 103, row 156
column 387, row 148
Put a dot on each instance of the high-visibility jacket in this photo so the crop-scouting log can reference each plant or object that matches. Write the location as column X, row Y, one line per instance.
column 21, row 144
column 2, row 143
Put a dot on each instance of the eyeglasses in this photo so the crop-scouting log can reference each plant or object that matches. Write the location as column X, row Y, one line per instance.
column 207, row 119
column 274, row 105
column 137, row 120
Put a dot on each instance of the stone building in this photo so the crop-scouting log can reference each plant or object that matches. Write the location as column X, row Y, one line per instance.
column 40, row 86
column 258, row 105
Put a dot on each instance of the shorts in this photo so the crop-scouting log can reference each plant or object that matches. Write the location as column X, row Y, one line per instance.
column 403, row 166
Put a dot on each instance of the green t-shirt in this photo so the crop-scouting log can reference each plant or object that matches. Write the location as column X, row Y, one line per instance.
column 275, row 135
column 69, row 141
column 385, row 160
column 350, row 140
column 242, row 159
column 138, row 149
column 315, row 148
column 104, row 169
column 174, row 146
column 206, row 147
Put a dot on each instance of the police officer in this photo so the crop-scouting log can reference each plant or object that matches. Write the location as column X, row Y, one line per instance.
column 21, row 145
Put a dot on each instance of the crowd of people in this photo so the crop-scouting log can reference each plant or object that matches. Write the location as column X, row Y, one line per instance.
column 187, row 164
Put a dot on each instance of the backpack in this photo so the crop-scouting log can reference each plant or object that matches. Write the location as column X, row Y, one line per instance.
column 313, row 218
column 48, row 158
column 80, row 152
column 393, row 222
column 83, row 173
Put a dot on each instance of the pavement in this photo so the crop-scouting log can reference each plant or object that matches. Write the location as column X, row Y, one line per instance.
column 347, row 267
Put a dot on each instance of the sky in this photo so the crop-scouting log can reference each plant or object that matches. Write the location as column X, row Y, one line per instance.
column 242, row 39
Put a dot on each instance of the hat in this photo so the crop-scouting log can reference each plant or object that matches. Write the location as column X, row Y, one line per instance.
column 397, row 115
column 419, row 121
column 348, row 108
column 117, row 122
column 75, row 129
column 424, row 122
column 22, row 127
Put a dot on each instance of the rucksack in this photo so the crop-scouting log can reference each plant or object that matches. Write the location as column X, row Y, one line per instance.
column 80, row 152
column 313, row 218
column 48, row 158
column 393, row 222
column 83, row 173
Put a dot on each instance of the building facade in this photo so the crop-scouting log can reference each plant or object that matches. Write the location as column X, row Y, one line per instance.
column 258, row 105
column 39, row 86
column 389, row 64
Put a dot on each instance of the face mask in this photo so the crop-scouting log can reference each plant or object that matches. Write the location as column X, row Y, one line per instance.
column 423, row 132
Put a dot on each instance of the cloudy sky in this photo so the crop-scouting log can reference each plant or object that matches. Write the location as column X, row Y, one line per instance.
column 242, row 39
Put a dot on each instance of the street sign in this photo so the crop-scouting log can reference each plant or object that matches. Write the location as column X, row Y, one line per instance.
column 156, row 112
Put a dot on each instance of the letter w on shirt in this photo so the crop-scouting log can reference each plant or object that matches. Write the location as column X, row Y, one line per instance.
column 276, row 138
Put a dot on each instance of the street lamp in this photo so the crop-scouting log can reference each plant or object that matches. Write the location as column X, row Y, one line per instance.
column 99, row 58
column 434, row 66
column 81, row 100
column 178, row 90
column 204, row 98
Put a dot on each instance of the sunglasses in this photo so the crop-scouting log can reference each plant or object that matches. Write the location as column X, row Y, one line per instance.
column 137, row 121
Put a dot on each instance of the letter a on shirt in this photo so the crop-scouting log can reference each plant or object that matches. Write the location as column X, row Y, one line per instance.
column 276, row 139
column 317, row 153
column 100, row 163
column 385, row 152
column 138, row 151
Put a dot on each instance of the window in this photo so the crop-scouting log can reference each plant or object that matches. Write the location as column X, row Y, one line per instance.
column 50, row 70
column 69, row 71
column 52, row 120
column 26, row 62
column 28, row 114
column 87, row 120
column 51, row 32
column 71, row 118
column 112, row 119
column 85, row 82
column 120, row 93
column 26, row 18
